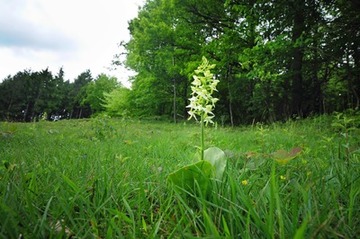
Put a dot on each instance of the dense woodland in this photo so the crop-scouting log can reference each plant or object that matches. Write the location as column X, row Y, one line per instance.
column 274, row 59
column 31, row 96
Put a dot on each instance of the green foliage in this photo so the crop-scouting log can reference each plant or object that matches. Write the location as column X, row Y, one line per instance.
column 162, row 51
column 348, row 128
column 28, row 96
column 276, row 59
column 77, row 95
column 103, row 128
column 95, row 92
column 117, row 102
column 196, row 178
column 146, row 102
column 193, row 178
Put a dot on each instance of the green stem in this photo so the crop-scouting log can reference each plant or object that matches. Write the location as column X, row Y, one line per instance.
column 272, row 202
column 202, row 137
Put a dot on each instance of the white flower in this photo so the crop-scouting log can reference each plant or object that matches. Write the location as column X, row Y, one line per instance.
column 196, row 81
column 202, row 102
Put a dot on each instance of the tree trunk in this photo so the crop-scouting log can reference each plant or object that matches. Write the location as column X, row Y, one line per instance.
column 356, row 86
column 229, row 72
column 174, row 101
column 296, row 66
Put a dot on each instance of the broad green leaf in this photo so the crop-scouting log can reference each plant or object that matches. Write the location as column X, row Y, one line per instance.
column 217, row 158
column 187, row 177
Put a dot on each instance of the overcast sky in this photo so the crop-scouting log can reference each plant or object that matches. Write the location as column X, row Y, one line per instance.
column 73, row 34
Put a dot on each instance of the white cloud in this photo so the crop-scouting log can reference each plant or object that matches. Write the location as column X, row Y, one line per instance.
column 75, row 34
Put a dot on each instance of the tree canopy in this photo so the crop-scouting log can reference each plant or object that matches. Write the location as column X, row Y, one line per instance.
column 275, row 59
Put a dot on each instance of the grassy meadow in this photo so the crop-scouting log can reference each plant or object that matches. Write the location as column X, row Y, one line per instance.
column 106, row 178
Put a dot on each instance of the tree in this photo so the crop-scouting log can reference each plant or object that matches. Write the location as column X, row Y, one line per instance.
column 117, row 102
column 13, row 100
column 95, row 90
column 78, row 93
column 163, row 51
column 63, row 93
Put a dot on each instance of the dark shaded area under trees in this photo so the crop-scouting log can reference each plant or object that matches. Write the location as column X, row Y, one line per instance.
column 275, row 60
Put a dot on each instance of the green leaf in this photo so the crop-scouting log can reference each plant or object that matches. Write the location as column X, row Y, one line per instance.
column 187, row 177
column 300, row 232
column 337, row 125
column 217, row 158
column 144, row 226
column 226, row 227
column 210, row 226
column 71, row 184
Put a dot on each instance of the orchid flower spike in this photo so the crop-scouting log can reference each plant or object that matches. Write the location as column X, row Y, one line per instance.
column 202, row 103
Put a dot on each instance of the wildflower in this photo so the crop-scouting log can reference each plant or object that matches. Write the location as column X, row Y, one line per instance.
column 244, row 182
column 282, row 177
column 202, row 103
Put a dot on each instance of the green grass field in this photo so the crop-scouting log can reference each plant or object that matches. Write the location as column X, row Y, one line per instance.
column 106, row 178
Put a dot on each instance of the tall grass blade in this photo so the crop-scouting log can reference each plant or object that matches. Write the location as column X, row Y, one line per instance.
column 131, row 214
column 44, row 216
column 226, row 227
column 300, row 232
column 210, row 227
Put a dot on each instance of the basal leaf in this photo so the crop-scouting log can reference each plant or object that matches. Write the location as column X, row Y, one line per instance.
column 188, row 176
column 217, row 158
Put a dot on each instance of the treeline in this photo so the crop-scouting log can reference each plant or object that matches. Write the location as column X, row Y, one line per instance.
column 275, row 59
column 31, row 96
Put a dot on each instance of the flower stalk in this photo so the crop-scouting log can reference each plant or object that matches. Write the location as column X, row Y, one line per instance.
column 202, row 138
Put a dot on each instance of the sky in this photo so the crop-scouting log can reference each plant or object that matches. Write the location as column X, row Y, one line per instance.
column 74, row 34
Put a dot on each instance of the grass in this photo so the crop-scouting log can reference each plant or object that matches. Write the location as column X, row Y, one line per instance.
column 106, row 178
